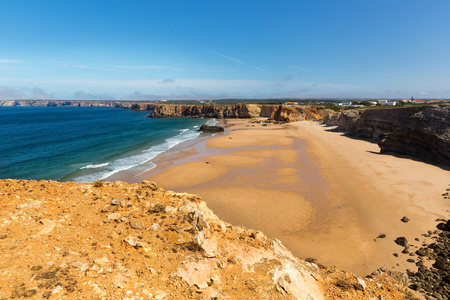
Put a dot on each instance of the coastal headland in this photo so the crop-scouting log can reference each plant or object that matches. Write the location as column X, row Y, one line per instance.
column 114, row 240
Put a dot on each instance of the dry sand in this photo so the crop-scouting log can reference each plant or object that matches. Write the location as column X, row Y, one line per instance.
column 324, row 195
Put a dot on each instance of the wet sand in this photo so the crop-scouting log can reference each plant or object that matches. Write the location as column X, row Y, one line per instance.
column 322, row 194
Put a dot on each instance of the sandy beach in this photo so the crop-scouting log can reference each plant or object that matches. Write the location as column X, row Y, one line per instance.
column 324, row 195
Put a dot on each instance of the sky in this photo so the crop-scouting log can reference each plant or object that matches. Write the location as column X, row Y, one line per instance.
column 198, row 49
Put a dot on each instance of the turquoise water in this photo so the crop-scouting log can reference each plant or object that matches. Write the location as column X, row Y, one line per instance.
column 84, row 144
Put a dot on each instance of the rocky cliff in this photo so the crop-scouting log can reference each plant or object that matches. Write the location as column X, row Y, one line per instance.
column 276, row 112
column 421, row 131
column 280, row 113
column 136, row 241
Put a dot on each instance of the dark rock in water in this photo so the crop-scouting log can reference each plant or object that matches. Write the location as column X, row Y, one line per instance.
column 211, row 129
column 402, row 241
column 405, row 219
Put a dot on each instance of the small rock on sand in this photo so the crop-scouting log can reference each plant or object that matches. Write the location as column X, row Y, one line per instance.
column 402, row 241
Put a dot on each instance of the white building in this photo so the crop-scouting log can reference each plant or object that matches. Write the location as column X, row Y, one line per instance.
column 387, row 102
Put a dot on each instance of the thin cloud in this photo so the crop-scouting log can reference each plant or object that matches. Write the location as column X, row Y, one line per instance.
column 239, row 62
column 147, row 67
column 89, row 67
column 260, row 69
column 301, row 69
column 230, row 58
column 10, row 61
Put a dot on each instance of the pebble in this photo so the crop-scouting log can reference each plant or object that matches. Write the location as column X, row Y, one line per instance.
column 113, row 216
column 160, row 295
column 133, row 242
column 57, row 290
column 136, row 224
column 402, row 241
column 157, row 208
column 47, row 226
column 154, row 227
column 118, row 202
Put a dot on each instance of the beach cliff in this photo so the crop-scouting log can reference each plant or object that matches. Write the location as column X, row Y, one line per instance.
column 116, row 240
column 282, row 113
column 422, row 131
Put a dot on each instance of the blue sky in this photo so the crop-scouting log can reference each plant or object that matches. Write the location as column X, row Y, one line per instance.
column 144, row 50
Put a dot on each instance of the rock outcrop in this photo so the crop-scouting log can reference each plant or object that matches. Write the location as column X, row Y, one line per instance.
column 280, row 113
column 137, row 241
column 422, row 131
column 206, row 111
column 211, row 129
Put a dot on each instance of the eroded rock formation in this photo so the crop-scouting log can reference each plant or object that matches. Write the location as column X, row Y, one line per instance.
column 211, row 129
column 137, row 241
column 421, row 131
column 280, row 113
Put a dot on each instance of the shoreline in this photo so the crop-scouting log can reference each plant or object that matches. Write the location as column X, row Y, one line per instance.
column 299, row 183
column 164, row 159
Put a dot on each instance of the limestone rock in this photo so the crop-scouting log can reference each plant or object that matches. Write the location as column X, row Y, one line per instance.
column 211, row 129
column 421, row 131
column 187, row 253
column 47, row 226
column 133, row 242
column 136, row 224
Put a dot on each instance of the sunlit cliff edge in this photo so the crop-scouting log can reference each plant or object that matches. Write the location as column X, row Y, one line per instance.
column 116, row 240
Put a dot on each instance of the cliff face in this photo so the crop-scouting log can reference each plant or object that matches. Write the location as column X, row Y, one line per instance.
column 275, row 112
column 280, row 113
column 422, row 132
column 206, row 111
column 137, row 241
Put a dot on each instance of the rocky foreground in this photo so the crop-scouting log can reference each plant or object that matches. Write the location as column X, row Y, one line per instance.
column 136, row 241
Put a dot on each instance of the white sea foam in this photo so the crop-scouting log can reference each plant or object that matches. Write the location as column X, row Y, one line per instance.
column 95, row 166
column 134, row 161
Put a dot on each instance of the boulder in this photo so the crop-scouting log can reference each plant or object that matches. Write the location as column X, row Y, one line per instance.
column 211, row 129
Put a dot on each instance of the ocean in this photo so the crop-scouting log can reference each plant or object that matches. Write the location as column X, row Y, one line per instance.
column 85, row 144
